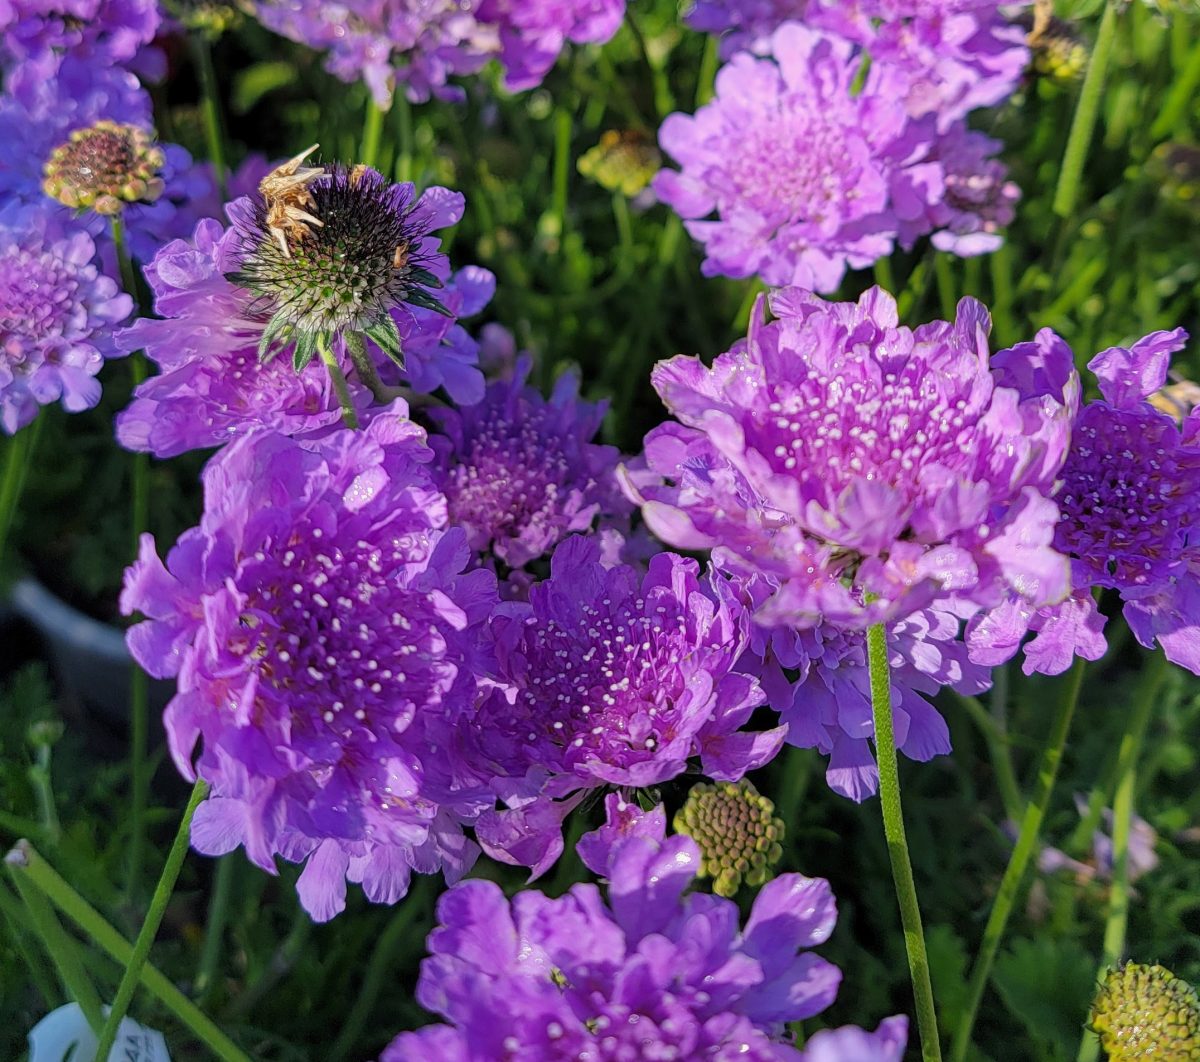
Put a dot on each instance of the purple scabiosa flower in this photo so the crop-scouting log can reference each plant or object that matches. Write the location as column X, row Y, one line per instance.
column 533, row 32
column 417, row 44
column 314, row 619
column 57, row 313
column 1141, row 854
column 1130, row 504
column 605, row 677
column 976, row 199
column 797, row 166
column 867, row 469
column 622, row 820
column 520, row 473
column 36, row 35
column 653, row 973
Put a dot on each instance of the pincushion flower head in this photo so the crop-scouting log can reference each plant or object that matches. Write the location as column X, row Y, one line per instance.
column 652, row 973
column 103, row 166
column 867, row 468
column 313, row 621
column 1130, row 505
column 606, row 677
column 331, row 254
column 807, row 172
column 520, row 473
column 57, row 314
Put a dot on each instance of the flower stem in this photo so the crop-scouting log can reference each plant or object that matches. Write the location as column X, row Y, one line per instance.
column 25, row 861
column 997, row 743
column 218, row 911
column 18, row 458
column 210, row 106
column 149, row 930
column 893, row 828
column 139, row 518
column 349, row 416
column 367, row 373
column 1018, row 862
column 1118, row 901
column 61, row 949
column 14, row 917
column 1084, row 121
column 372, row 134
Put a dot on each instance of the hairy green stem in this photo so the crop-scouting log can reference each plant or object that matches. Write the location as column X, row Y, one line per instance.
column 367, row 373
column 139, row 518
column 154, row 917
column 349, row 416
column 1117, row 919
column 897, row 842
column 372, row 134
column 1084, row 122
column 60, row 947
column 26, row 861
column 210, row 107
column 214, row 929
column 1031, row 824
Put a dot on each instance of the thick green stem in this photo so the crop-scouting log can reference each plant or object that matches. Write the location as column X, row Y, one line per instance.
column 18, row 458
column 367, row 373
column 23, row 859
column 1084, row 122
column 372, row 134
column 897, row 842
column 210, row 106
column 60, row 947
column 139, row 517
column 349, row 416
column 1117, row 920
column 1018, row 862
column 154, row 916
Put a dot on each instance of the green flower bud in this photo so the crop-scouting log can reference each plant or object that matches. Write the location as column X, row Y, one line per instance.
column 1146, row 1012
column 737, row 832
column 622, row 162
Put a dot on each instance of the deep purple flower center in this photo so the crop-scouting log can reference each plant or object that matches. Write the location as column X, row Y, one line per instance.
column 832, row 429
column 42, row 303
column 605, row 689
column 1126, row 500
column 332, row 637
column 510, row 477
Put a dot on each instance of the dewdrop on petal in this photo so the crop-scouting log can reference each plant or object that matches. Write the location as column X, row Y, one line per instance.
column 1146, row 1012
column 104, row 166
column 737, row 832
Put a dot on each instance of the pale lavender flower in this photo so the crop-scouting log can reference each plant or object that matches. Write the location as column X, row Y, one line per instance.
column 1130, row 502
column 606, row 677
column 852, row 1044
column 534, row 32
column 653, row 973
column 867, row 469
column 315, row 620
column 1142, row 858
column 520, row 472
column 57, row 314
column 809, row 173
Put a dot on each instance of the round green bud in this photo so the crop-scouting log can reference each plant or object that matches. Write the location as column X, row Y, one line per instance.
column 1146, row 1012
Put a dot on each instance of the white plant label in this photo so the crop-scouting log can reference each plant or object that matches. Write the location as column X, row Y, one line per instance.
column 64, row 1035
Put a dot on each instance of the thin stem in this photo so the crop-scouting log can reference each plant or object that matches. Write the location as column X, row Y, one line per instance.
column 562, row 171
column 404, row 158
column 1117, row 919
column 372, row 134
column 139, row 518
column 706, row 79
column 1084, row 121
column 26, row 861
column 18, row 457
column 43, row 790
column 897, row 842
column 349, row 416
column 381, row 959
column 61, row 949
column 1018, row 862
column 214, row 929
column 367, row 373
column 1178, row 99
column 149, row 930
column 997, row 742
column 210, row 106
column 945, row 284
column 14, row 917
column 664, row 100
column 883, row 275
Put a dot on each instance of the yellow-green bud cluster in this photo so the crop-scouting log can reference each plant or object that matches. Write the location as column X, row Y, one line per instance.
column 737, row 832
column 103, row 167
column 1146, row 1012
column 210, row 17
column 622, row 162
column 1060, row 57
